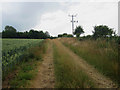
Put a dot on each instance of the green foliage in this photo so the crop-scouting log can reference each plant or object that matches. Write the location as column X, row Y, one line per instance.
column 65, row 35
column 59, row 35
column 15, row 51
column 10, row 32
column 69, row 35
column 14, row 83
column 37, row 34
column 25, row 74
column 102, row 31
column 26, row 69
column 53, row 37
column 78, row 31
column 27, row 55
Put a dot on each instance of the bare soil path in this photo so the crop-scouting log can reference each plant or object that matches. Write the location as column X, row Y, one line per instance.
column 100, row 80
column 45, row 77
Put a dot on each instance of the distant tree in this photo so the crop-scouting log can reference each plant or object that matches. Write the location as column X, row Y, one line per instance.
column 59, row 35
column 31, row 34
column 64, row 34
column 9, row 32
column 20, row 35
column 53, row 37
column 69, row 35
column 102, row 31
column 78, row 31
column 42, row 35
column 0, row 35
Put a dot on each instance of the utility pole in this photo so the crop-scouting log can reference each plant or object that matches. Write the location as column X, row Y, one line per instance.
column 73, row 22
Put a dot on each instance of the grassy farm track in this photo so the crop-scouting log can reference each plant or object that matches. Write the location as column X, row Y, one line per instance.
column 60, row 67
column 100, row 80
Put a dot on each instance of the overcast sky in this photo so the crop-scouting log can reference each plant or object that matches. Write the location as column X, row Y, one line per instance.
column 53, row 16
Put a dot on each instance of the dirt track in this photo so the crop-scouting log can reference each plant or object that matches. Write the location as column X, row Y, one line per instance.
column 45, row 77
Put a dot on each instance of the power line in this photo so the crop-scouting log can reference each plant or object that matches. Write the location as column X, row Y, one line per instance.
column 73, row 21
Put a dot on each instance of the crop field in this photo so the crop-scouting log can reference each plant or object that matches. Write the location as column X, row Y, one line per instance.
column 11, row 44
column 13, row 50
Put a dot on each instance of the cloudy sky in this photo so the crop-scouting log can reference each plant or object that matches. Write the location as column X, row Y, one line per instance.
column 53, row 16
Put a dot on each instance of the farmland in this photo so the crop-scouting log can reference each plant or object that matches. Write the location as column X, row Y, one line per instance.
column 60, row 45
column 13, row 51
column 42, row 63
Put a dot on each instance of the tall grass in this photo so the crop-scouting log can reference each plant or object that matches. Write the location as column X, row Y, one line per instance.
column 68, row 74
column 101, row 54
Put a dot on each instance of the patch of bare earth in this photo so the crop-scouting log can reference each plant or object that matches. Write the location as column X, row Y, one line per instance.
column 5, row 83
column 45, row 77
column 100, row 80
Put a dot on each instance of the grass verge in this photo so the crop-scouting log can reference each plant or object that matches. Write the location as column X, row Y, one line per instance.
column 26, row 72
column 67, row 73
column 101, row 54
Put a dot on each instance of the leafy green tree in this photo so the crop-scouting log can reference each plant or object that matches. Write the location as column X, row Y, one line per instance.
column 78, row 31
column 9, row 32
column 42, row 35
column 102, row 31
column 31, row 34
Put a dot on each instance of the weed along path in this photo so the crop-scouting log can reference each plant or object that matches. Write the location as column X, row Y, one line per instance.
column 45, row 77
column 99, row 80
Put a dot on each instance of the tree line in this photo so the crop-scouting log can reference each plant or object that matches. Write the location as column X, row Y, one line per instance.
column 65, row 35
column 99, row 31
column 11, row 32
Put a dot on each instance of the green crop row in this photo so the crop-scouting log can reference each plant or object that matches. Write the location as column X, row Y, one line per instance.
column 13, row 51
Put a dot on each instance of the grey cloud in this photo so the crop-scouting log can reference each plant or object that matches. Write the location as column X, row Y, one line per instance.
column 25, row 15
